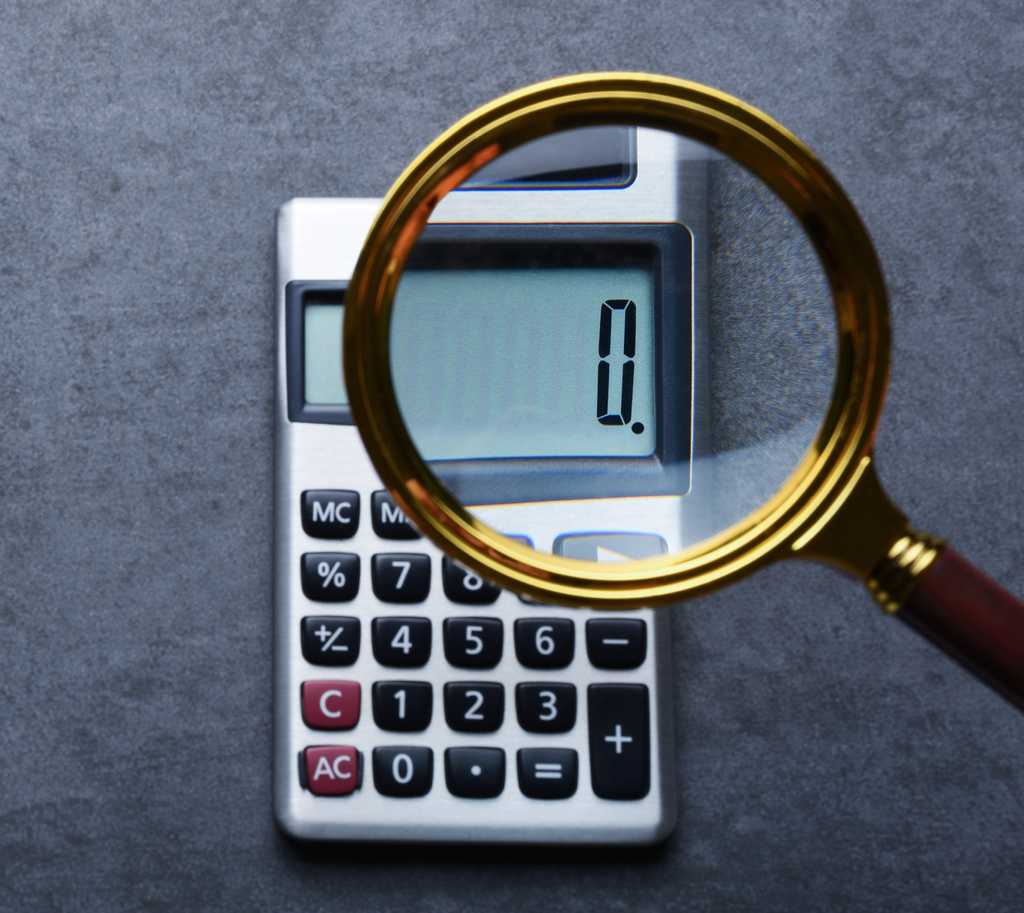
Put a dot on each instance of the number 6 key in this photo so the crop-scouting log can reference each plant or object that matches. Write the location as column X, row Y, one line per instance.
column 545, row 643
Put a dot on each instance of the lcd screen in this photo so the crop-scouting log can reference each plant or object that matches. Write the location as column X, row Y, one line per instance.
column 323, row 382
column 536, row 362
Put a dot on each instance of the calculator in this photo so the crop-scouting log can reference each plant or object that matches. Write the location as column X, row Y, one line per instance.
column 413, row 700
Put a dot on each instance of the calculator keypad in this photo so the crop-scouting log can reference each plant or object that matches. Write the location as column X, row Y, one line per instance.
column 617, row 713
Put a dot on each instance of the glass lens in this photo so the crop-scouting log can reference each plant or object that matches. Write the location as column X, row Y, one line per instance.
column 612, row 343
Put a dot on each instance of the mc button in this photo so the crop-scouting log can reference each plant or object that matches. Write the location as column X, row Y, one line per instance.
column 330, row 514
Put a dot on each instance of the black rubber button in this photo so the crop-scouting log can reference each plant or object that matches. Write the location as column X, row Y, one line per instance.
column 474, row 706
column 330, row 640
column 400, row 577
column 545, row 643
column 546, row 706
column 401, row 641
column 616, row 643
column 466, row 587
column 403, row 706
column 619, row 741
column 330, row 576
column 547, row 773
column 403, row 771
column 473, row 643
column 330, row 514
column 475, row 773
column 389, row 520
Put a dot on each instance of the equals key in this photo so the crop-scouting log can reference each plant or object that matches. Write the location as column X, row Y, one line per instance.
column 547, row 773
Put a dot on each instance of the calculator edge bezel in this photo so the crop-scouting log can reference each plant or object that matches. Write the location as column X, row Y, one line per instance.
column 662, row 807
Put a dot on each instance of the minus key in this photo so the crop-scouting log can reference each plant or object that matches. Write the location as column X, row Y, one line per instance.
column 616, row 643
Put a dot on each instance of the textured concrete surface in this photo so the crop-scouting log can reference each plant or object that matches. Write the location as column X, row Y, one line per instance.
column 828, row 759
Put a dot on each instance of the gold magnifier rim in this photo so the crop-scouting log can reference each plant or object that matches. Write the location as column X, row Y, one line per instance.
column 835, row 460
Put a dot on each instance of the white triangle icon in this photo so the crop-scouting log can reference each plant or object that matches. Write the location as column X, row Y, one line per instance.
column 607, row 555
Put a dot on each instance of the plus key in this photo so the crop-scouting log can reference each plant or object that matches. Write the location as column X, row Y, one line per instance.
column 620, row 765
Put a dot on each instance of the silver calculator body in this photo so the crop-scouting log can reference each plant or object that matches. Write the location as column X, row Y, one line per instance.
column 370, row 783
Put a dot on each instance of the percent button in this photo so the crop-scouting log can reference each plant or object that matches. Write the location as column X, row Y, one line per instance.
column 330, row 576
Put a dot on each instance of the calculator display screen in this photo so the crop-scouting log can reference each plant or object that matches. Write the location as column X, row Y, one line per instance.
column 527, row 362
column 323, row 381
column 538, row 361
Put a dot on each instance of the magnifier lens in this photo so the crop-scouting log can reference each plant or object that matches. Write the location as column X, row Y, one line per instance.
column 613, row 342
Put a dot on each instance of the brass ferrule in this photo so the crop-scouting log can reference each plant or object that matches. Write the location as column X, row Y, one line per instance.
column 909, row 556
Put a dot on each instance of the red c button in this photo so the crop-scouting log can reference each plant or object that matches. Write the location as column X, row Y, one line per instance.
column 330, row 705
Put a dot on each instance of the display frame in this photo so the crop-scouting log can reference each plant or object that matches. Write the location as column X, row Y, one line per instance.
column 494, row 480
column 298, row 294
column 625, row 158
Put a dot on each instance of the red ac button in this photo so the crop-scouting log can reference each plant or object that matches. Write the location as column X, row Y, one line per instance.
column 330, row 705
column 332, row 770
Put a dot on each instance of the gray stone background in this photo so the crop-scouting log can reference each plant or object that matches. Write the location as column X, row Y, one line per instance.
column 828, row 759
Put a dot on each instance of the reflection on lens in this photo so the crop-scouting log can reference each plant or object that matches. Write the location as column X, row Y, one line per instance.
column 612, row 342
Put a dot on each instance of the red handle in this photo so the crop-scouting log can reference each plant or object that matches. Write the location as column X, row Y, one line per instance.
column 973, row 619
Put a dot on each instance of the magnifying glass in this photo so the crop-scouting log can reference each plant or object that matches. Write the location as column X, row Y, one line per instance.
column 615, row 340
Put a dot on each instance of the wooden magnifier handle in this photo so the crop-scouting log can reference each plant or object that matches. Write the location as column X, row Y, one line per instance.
column 971, row 618
column 918, row 578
